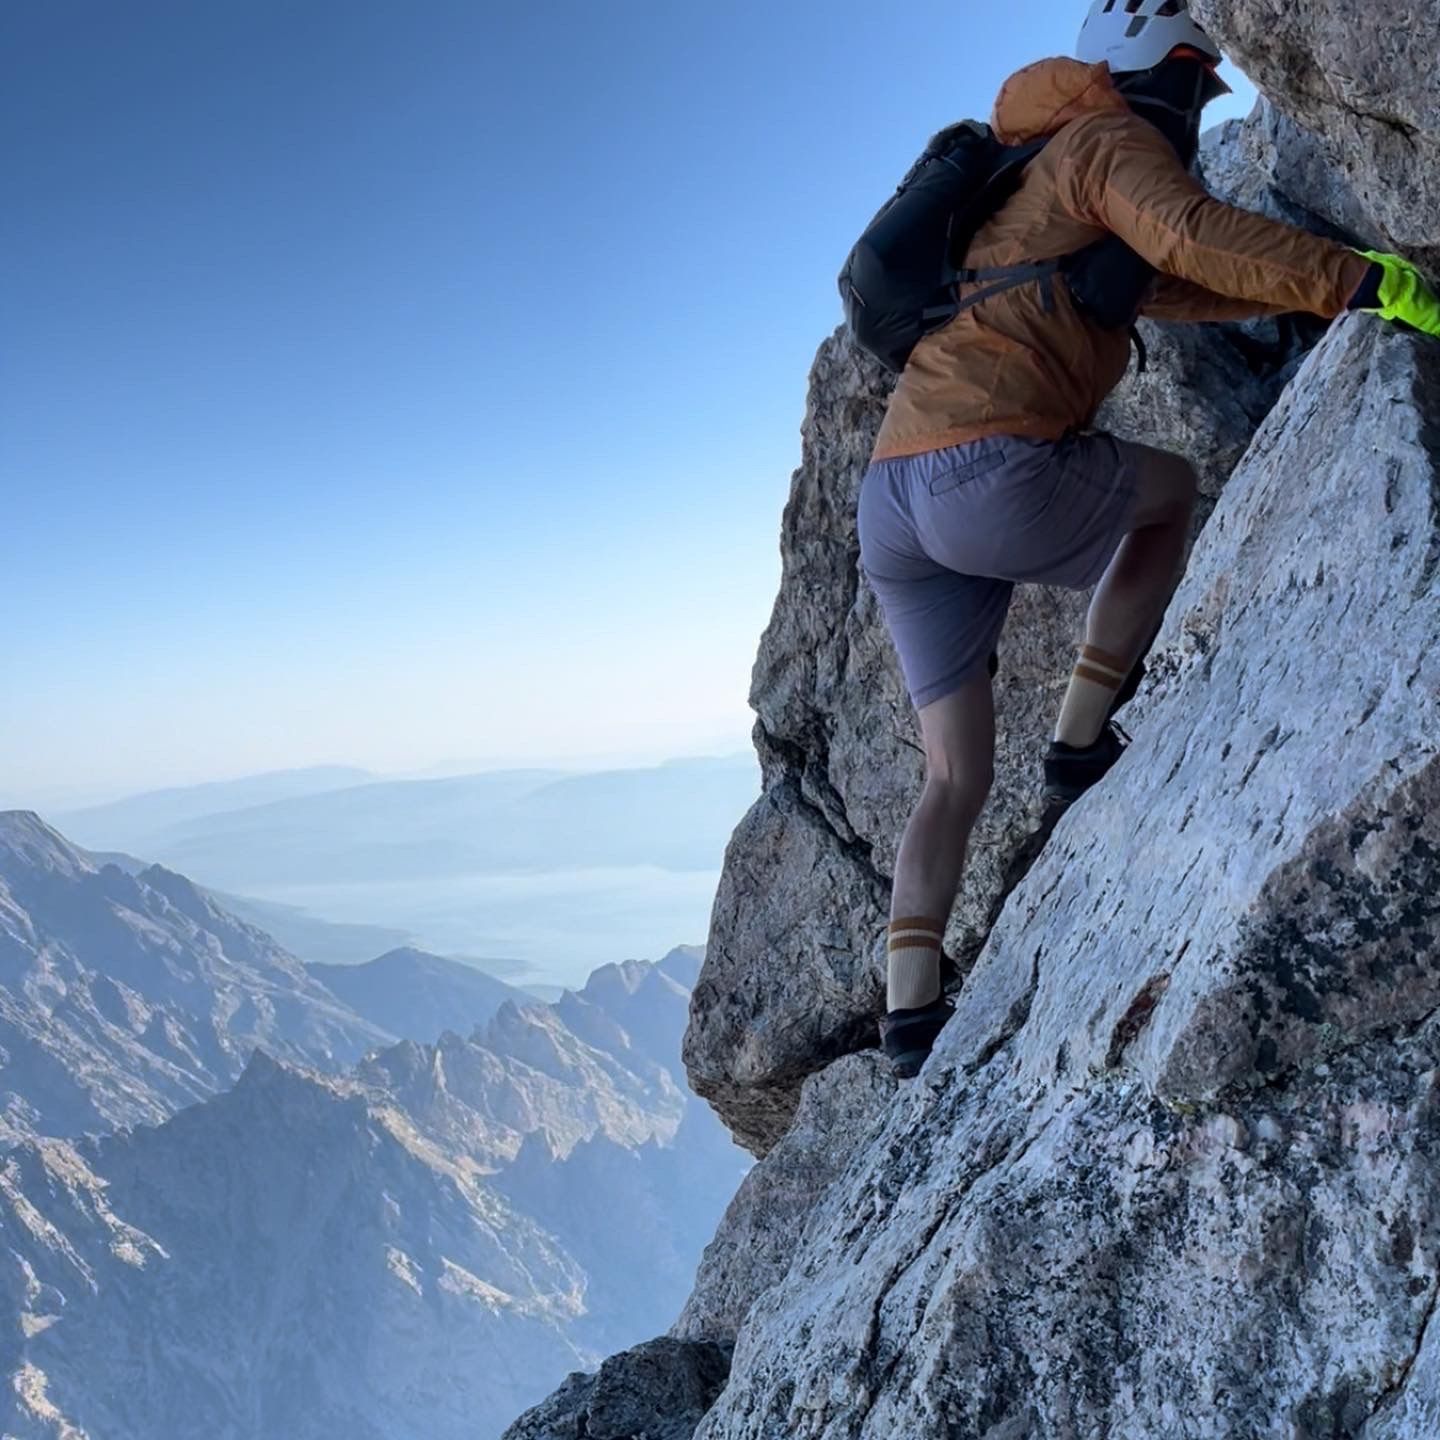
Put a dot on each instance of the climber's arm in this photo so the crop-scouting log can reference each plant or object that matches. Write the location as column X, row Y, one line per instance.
column 1182, row 301
column 1121, row 174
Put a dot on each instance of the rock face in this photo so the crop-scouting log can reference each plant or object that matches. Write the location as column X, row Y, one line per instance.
column 793, row 976
column 657, row 1391
column 756, row 1240
column 1171, row 1169
column 1363, row 83
column 1269, row 163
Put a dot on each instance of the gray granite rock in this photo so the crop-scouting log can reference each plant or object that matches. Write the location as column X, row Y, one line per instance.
column 1172, row 1169
column 756, row 1240
column 793, row 975
column 657, row 1391
column 1362, row 81
column 1269, row 164
column 1109, row 1268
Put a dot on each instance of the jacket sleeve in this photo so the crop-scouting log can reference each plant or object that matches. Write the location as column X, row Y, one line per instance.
column 1182, row 301
column 1120, row 174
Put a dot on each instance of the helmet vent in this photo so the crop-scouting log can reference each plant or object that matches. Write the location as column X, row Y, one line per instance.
column 1130, row 35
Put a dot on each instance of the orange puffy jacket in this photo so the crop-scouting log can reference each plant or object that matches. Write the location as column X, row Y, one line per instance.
column 1005, row 366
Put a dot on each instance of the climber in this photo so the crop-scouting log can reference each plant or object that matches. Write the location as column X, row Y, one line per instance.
column 986, row 473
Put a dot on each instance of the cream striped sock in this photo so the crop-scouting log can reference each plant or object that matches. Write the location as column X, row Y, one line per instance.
column 914, row 979
column 1097, row 680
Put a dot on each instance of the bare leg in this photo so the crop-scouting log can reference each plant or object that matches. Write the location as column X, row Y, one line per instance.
column 1132, row 597
column 1133, row 594
column 959, row 737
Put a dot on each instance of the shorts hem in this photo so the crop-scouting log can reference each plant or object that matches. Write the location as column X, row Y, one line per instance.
column 1124, row 515
column 942, row 689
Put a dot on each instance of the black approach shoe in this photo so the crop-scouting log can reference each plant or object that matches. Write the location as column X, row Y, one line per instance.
column 1070, row 772
column 910, row 1035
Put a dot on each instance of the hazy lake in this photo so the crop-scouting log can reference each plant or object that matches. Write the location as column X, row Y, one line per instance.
column 555, row 927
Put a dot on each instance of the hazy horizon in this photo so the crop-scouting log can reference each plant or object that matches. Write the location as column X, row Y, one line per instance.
column 50, row 801
column 557, row 869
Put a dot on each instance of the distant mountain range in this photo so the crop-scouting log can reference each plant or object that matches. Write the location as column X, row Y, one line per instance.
column 314, row 940
column 419, row 1243
column 675, row 816
column 156, row 810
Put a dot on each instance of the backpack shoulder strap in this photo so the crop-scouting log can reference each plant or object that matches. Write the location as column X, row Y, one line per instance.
column 1006, row 277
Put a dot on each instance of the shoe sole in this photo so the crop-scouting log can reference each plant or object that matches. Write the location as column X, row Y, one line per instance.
column 909, row 1065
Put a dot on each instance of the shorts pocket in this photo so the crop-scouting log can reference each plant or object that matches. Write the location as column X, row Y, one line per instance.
column 967, row 470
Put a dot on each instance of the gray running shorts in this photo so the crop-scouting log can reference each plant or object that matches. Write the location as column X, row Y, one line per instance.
column 945, row 537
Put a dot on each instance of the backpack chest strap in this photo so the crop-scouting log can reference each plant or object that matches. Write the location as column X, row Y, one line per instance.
column 1001, row 278
column 1009, row 277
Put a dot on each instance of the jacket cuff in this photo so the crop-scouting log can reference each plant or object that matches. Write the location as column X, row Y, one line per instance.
column 1367, row 293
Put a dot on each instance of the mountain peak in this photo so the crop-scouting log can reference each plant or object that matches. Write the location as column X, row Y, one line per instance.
column 411, row 993
column 409, row 957
column 178, row 890
column 27, row 840
column 270, row 1081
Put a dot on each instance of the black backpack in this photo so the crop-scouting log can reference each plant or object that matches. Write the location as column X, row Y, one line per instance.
column 900, row 281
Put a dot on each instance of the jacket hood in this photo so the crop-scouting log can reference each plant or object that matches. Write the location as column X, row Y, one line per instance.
column 1042, row 97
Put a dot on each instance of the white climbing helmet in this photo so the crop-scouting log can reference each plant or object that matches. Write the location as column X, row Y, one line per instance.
column 1139, row 34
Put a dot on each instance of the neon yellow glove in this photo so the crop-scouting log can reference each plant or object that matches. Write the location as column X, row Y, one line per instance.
column 1405, row 294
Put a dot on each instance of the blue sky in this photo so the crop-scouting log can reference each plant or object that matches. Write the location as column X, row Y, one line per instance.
column 395, row 383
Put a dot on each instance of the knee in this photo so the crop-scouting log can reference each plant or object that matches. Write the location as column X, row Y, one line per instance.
column 1180, row 487
column 959, row 790
column 1167, row 487
column 1187, row 482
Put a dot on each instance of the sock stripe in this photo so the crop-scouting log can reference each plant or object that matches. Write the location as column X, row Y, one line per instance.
column 914, row 940
column 1105, row 659
column 1096, row 685
column 1102, row 669
column 1099, row 677
column 919, row 922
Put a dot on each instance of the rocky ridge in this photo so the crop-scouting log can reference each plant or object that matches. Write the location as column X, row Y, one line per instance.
column 287, row 1259
column 412, row 995
column 1186, row 1094
column 526, row 1072
column 124, row 997
column 1356, row 88
column 315, row 1255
